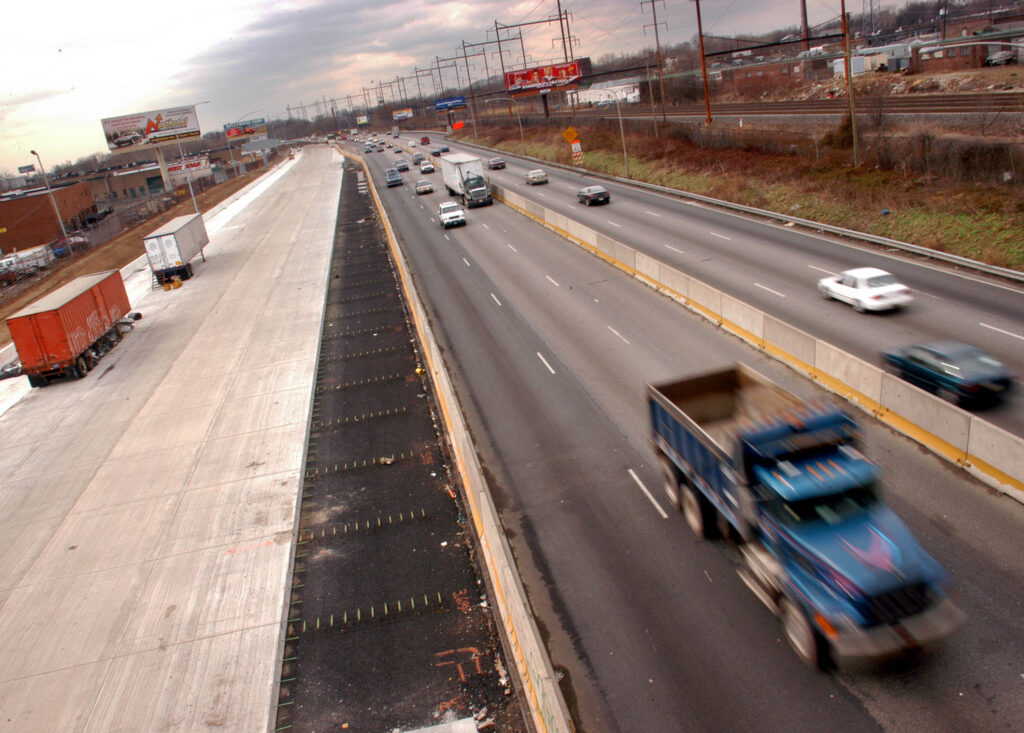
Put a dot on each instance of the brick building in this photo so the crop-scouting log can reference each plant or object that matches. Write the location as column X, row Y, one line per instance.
column 27, row 218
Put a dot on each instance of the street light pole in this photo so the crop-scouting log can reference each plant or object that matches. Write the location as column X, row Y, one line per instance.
column 49, row 192
column 181, row 154
column 622, row 132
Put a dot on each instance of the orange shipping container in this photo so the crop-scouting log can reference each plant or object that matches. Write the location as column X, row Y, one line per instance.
column 51, row 333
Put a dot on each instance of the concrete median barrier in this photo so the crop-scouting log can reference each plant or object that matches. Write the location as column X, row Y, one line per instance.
column 706, row 299
column 992, row 451
column 744, row 320
column 626, row 256
column 938, row 425
column 853, row 378
column 789, row 344
column 648, row 268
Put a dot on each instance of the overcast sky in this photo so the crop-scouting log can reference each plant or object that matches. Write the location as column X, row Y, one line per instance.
column 69, row 63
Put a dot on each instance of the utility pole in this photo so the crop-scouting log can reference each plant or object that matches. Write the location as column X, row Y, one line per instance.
column 472, row 94
column 849, row 85
column 804, row 31
column 703, row 66
column 657, row 46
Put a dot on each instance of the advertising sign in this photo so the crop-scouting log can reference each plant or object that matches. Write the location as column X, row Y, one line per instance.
column 193, row 165
column 362, row 120
column 27, row 168
column 402, row 114
column 543, row 79
column 245, row 128
column 443, row 105
column 162, row 126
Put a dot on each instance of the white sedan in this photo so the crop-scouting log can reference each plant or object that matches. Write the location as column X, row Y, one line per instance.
column 866, row 289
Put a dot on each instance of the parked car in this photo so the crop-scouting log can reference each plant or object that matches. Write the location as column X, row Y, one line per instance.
column 424, row 186
column 593, row 195
column 496, row 163
column 401, row 164
column 536, row 176
column 955, row 371
column 451, row 215
column 866, row 289
column 392, row 177
column 426, row 167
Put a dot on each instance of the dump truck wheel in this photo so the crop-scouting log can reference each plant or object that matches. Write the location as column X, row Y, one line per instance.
column 699, row 513
column 670, row 478
column 801, row 635
column 81, row 368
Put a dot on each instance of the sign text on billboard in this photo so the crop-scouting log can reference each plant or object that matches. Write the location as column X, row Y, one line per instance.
column 443, row 105
column 543, row 79
column 156, row 127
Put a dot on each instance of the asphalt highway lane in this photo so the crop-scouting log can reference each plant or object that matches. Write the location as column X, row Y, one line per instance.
column 550, row 350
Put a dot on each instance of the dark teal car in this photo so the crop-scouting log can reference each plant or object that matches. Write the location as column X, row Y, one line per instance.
column 955, row 371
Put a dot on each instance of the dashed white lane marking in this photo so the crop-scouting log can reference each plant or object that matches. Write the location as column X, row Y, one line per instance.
column 466, row 261
column 545, row 361
column 669, row 246
column 773, row 292
column 552, row 281
column 513, row 249
column 999, row 330
column 648, row 494
column 821, row 269
column 496, row 299
column 614, row 224
column 653, row 213
column 720, row 236
column 617, row 334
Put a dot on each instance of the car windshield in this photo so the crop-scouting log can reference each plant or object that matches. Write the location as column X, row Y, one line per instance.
column 448, row 208
column 969, row 363
column 832, row 508
column 879, row 281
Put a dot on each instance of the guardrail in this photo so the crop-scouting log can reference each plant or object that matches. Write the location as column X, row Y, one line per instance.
column 547, row 706
column 984, row 450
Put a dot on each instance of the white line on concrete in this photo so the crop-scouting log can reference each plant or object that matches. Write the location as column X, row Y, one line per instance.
column 513, row 249
column 669, row 246
column 617, row 334
column 540, row 195
column 773, row 292
column 541, row 357
column 552, row 281
column 653, row 213
column 720, row 236
column 446, row 237
column 496, row 299
column 485, row 225
column 466, row 261
column 614, row 224
column 648, row 494
column 999, row 330
column 821, row 269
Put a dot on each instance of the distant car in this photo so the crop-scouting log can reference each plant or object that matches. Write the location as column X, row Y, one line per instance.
column 368, row 149
column 496, row 163
column 424, row 140
column 955, row 371
column 417, row 158
column 412, row 143
column 593, row 195
column 451, row 215
column 392, row 177
column 536, row 176
column 866, row 289
column 436, row 152
column 424, row 186
column 426, row 167
column 401, row 164
column 394, row 136
column 443, row 148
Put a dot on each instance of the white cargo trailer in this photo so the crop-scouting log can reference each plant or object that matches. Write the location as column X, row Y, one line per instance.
column 172, row 247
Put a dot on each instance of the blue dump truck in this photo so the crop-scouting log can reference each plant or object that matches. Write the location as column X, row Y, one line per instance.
column 743, row 457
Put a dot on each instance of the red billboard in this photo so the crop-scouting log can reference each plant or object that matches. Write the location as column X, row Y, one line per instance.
column 543, row 78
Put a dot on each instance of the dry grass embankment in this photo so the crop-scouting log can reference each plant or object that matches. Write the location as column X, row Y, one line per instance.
column 981, row 221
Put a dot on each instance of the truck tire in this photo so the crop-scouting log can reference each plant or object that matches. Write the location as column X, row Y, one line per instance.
column 801, row 635
column 670, row 479
column 36, row 380
column 80, row 368
column 697, row 510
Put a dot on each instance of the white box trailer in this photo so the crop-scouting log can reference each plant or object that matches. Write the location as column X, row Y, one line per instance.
column 172, row 247
column 464, row 177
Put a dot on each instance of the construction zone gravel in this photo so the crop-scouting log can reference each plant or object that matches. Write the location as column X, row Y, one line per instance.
column 389, row 626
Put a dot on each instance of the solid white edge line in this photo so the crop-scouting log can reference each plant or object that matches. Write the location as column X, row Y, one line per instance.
column 541, row 357
column 496, row 299
column 647, row 493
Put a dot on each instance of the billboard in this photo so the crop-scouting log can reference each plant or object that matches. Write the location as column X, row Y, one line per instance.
column 160, row 126
column 543, row 78
column 362, row 120
column 443, row 105
column 402, row 114
column 191, row 167
column 245, row 128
